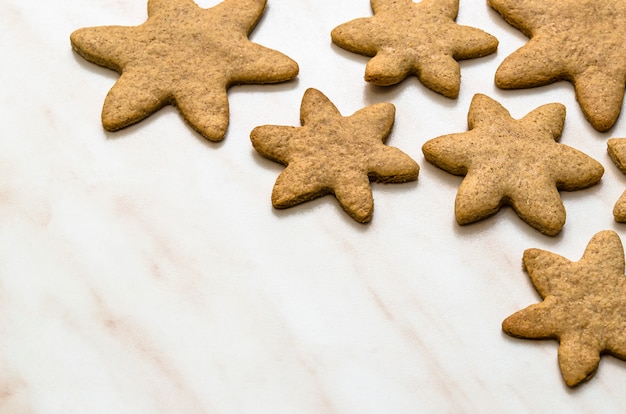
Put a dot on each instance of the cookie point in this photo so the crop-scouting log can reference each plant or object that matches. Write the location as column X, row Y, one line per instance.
column 602, row 123
column 294, row 68
column 574, row 380
column 213, row 133
column 76, row 34
column 362, row 217
column 506, row 326
column 111, row 125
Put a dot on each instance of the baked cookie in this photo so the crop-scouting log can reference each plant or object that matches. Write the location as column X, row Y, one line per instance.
column 332, row 154
column 513, row 162
column 584, row 305
column 185, row 56
column 617, row 151
column 581, row 41
column 407, row 38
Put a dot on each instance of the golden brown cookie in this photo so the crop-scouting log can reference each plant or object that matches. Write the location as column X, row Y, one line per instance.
column 584, row 305
column 332, row 154
column 185, row 56
column 513, row 162
column 581, row 41
column 617, row 151
column 422, row 38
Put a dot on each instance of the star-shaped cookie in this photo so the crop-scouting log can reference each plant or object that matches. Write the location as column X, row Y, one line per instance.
column 407, row 38
column 617, row 150
column 182, row 55
column 584, row 305
column 513, row 162
column 333, row 154
column 581, row 41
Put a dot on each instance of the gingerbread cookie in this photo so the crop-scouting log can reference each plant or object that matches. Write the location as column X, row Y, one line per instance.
column 584, row 305
column 513, row 162
column 332, row 154
column 581, row 41
column 423, row 39
column 182, row 55
column 617, row 151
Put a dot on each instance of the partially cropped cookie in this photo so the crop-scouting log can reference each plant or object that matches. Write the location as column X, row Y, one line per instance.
column 617, row 151
column 581, row 41
column 583, row 307
column 333, row 154
column 185, row 56
column 408, row 38
column 513, row 162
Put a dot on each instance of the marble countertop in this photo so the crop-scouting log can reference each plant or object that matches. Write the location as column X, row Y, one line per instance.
column 146, row 271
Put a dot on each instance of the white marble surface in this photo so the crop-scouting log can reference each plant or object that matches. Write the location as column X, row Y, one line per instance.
column 145, row 271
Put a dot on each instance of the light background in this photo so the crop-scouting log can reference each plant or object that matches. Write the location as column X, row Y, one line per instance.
column 145, row 271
